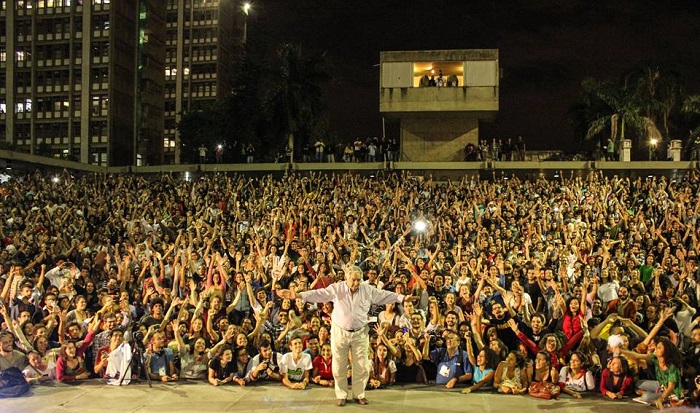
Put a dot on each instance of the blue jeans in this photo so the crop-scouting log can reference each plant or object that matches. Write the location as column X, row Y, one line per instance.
column 652, row 390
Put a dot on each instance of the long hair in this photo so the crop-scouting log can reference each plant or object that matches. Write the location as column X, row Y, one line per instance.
column 62, row 351
column 492, row 358
column 671, row 354
column 381, row 368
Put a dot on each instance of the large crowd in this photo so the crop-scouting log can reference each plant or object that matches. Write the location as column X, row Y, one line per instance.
column 575, row 285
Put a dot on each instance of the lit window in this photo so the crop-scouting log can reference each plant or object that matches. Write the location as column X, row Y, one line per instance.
column 186, row 71
column 20, row 56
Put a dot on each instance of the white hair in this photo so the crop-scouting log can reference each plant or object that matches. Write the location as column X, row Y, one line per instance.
column 353, row 269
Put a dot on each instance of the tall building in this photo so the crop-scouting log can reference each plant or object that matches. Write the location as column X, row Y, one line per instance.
column 200, row 40
column 438, row 97
column 104, row 82
column 67, row 71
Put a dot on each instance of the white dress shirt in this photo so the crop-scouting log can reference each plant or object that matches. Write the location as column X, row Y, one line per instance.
column 350, row 310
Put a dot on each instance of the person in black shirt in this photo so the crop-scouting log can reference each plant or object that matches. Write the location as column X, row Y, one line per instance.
column 222, row 369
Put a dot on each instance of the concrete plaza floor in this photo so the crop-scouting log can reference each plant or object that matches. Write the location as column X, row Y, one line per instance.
column 95, row 396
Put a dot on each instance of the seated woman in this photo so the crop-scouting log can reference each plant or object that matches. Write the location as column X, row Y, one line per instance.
column 574, row 379
column 544, row 372
column 485, row 365
column 70, row 365
column 195, row 357
column 616, row 382
column 667, row 386
column 389, row 316
column 511, row 376
column 543, row 369
column 221, row 369
column 408, row 368
column 323, row 367
column 38, row 371
column 382, row 370
column 241, row 364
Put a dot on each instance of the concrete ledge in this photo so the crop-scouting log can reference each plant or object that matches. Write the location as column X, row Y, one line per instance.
column 470, row 166
column 654, row 165
column 542, row 165
column 23, row 161
column 47, row 161
column 347, row 166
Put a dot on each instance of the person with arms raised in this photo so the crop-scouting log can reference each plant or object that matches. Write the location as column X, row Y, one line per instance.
column 349, row 332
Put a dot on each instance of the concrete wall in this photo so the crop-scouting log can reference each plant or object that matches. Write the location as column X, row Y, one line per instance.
column 394, row 102
column 437, row 139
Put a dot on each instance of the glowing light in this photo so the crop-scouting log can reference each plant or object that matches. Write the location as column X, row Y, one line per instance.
column 246, row 8
column 420, row 225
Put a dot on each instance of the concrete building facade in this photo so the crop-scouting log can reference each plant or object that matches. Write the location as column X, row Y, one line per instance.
column 104, row 82
column 438, row 97
column 67, row 71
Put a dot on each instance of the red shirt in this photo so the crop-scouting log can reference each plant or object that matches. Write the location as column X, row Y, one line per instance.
column 325, row 368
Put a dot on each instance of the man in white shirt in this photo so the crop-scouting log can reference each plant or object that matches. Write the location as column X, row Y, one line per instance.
column 349, row 333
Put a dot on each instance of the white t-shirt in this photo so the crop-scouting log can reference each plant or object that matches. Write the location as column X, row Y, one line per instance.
column 584, row 383
column 33, row 373
column 295, row 370
column 392, row 366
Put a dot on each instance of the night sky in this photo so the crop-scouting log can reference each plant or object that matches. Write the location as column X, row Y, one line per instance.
column 546, row 48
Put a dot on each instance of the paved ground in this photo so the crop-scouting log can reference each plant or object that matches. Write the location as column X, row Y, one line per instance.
column 194, row 397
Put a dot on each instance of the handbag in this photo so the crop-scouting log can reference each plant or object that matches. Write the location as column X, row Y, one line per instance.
column 544, row 390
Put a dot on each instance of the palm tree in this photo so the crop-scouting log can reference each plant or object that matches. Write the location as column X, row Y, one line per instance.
column 691, row 111
column 610, row 105
column 294, row 100
column 658, row 89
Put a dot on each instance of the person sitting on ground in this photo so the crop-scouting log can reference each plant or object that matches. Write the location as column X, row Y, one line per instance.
column 112, row 359
column 667, row 387
column 323, row 367
column 511, row 375
column 38, row 371
column 195, row 357
column 616, row 382
column 160, row 360
column 574, row 378
column 295, row 366
column 543, row 372
column 485, row 365
column 70, row 365
column 221, row 369
column 452, row 362
column 382, row 372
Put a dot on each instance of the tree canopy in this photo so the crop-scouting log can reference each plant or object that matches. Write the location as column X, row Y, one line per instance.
column 269, row 105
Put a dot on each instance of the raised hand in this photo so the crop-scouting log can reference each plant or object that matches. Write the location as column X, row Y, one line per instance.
column 286, row 294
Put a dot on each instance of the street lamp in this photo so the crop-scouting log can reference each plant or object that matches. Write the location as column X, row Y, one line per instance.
column 246, row 11
column 652, row 147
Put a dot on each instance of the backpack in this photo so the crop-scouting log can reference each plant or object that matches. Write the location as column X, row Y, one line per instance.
column 12, row 383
